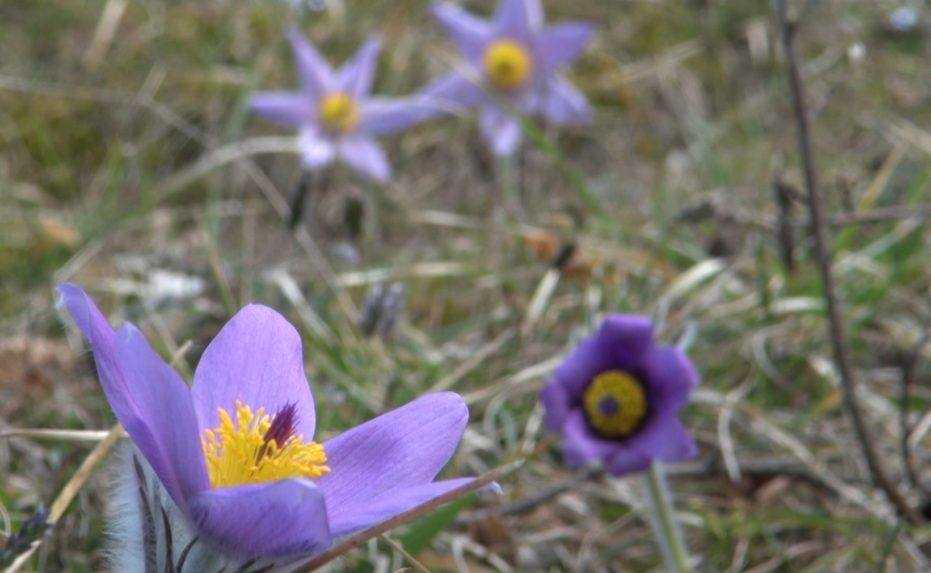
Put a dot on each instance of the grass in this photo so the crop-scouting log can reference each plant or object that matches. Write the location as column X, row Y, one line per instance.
column 692, row 107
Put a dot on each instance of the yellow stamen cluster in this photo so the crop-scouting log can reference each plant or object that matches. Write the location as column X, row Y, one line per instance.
column 339, row 113
column 615, row 403
column 507, row 64
column 237, row 452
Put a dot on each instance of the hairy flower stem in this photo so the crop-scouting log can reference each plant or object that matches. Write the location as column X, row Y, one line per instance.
column 508, row 184
column 667, row 531
column 823, row 256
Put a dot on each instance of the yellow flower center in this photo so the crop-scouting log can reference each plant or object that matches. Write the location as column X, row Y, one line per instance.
column 339, row 113
column 615, row 403
column 257, row 448
column 507, row 64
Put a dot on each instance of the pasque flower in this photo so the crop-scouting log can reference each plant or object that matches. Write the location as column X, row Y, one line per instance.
column 235, row 451
column 512, row 63
column 616, row 398
column 334, row 113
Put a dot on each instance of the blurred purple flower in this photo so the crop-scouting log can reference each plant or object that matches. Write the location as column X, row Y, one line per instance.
column 244, row 477
column 617, row 396
column 335, row 115
column 513, row 60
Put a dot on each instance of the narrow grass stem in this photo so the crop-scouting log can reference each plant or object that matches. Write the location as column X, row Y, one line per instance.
column 665, row 528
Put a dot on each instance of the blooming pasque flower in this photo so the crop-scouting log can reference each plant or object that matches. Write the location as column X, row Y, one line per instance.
column 334, row 112
column 234, row 451
column 616, row 398
column 515, row 60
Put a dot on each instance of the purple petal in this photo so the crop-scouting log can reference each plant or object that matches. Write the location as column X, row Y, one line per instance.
column 555, row 404
column 500, row 130
column 257, row 359
column 282, row 107
column 561, row 44
column 317, row 150
column 365, row 156
column 285, row 517
column 581, row 446
column 315, row 74
column 149, row 399
column 356, row 77
column 621, row 342
column 565, row 105
column 455, row 92
column 348, row 518
column 384, row 116
column 671, row 377
column 470, row 34
column 664, row 439
column 405, row 447
column 518, row 19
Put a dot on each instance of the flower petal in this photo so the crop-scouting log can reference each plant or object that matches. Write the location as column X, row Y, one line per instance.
column 284, row 108
column 149, row 399
column 405, row 447
column 365, row 156
column 621, row 342
column 316, row 76
column 565, row 105
column 500, row 130
column 669, row 442
column 662, row 438
column 285, row 517
column 357, row 75
column 455, row 93
column 518, row 19
column 581, row 446
column 671, row 378
column 555, row 405
column 317, row 151
column 561, row 44
column 380, row 116
column 469, row 33
column 257, row 359
column 347, row 518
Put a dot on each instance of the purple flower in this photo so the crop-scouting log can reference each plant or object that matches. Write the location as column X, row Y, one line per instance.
column 335, row 115
column 514, row 60
column 234, row 450
column 617, row 396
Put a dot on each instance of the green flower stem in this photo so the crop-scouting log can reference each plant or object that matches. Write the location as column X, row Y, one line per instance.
column 508, row 183
column 667, row 531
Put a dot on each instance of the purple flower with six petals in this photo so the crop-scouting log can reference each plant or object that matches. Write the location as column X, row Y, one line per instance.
column 616, row 398
column 513, row 60
column 334, row 113
column 231, row 449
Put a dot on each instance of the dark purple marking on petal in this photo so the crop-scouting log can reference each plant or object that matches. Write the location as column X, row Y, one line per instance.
column 283, row 425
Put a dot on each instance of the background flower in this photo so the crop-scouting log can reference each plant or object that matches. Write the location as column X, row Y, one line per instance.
column 335, row 115
column 512, row 63
column 376, row 470
column 617, row 396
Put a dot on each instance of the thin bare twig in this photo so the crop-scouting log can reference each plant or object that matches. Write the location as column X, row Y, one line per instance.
column 358, row 539
column 909, row 368
column 819, row 235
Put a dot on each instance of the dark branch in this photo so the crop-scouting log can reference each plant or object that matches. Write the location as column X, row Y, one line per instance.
column 819, row 235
